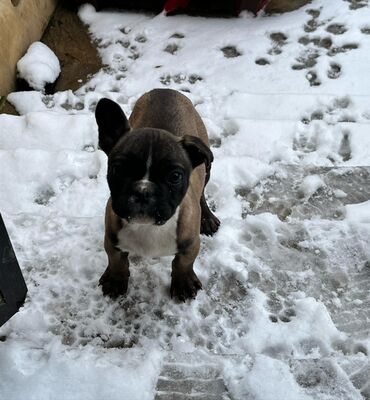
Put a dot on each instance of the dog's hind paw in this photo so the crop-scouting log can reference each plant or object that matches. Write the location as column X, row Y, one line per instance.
column 209, row 224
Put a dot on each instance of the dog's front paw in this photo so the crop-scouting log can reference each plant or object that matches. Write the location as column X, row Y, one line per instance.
column 209, row 224
column 185, row 286
column 113, row 285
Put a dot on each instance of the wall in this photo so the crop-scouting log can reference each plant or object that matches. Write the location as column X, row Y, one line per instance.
column 21, row 23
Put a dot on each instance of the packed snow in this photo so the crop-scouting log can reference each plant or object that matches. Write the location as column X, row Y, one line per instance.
column 38, row 66
column 284, row 310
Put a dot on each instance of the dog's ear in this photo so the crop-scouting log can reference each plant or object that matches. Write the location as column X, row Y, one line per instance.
column 112, row 124
column 197, row 151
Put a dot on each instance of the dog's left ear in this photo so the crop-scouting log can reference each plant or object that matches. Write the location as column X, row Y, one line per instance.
column 197, row 151
column 112, row 124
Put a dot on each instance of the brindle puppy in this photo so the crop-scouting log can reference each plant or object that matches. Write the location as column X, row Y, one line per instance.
column 158, row 165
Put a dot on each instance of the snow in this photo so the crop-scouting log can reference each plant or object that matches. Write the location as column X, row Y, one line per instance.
column 38, row 66
column 247, row 383
column 54, row 373
column 359, row 212
column 284, row 310
column 310, row 185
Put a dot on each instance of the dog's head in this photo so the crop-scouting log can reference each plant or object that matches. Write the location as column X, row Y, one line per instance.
column 148, row 169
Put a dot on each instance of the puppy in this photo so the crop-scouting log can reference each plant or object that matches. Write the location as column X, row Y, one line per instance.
column 158, row 165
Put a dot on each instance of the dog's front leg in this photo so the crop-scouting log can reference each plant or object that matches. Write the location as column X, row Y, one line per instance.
column 114, row 281
column 185, row 283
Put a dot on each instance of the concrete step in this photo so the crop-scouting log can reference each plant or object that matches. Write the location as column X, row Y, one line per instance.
column 292, row 106
column 198, row 375
column 317, row 237
column 284, row 193
column 193, row 376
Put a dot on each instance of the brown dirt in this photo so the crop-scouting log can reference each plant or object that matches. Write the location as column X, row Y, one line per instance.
column 7, row 108
column 69, row 39
column 280, row 6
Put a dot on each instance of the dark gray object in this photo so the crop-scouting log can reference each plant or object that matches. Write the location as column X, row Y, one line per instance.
column 13, row 289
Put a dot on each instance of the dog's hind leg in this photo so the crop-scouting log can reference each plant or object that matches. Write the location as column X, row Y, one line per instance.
column 209, row 223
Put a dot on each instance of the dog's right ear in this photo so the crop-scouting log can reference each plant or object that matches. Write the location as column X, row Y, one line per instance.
column 112, row 124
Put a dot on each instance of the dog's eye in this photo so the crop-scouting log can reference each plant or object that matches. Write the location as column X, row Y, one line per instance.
column 175, row 177
column 113, row 169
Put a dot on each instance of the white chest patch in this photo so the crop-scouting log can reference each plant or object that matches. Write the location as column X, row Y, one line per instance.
column 149, row 240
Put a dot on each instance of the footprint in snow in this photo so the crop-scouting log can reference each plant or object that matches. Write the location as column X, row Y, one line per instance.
column 356, row 4
column 307, row 60
column 124, row 43
column 125, row 30
column 134, row 53
column 44, row 196
column 215, row 142
column 287, row 315
column 335, row 112
column 172, row 48
column 312, row 24
column 312, row 78
column 336, row 29
column 231, row 52
column 180, row 78
column 342, row 49
column 141, row 38
column 314, row 13
column 345, row 150
column 278, row 39
column 177, row 35
column 262, row 61
column 334, row 71
column 317, row 41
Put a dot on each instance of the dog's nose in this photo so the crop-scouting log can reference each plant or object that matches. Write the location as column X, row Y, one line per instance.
column 143, row 191
column 143, row 186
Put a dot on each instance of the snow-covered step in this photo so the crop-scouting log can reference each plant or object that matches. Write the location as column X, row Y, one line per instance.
column 238, row 105
column 361, row 380
column 353, row 315
column 33, row 179
column 310, row 192
column 319, row 142
column 357, row 368
column 48, row 131
column 321, row 378
column 191, row 376
column 287, row 106
column 292, row 106
column 316, row 204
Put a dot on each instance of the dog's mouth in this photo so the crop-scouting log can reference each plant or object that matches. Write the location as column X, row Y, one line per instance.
column 140, row 219
column 140, row 216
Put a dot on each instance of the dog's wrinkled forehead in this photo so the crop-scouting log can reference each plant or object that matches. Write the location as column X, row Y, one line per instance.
column 150, row 146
